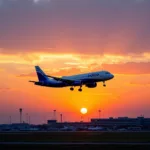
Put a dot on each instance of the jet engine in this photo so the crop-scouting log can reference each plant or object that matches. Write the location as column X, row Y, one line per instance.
column 91, row 85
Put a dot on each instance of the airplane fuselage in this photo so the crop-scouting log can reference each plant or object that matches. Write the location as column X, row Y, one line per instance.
column 88, row 79
column 83, row 79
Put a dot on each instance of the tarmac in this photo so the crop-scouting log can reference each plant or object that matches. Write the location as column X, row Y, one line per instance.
column 72, row 143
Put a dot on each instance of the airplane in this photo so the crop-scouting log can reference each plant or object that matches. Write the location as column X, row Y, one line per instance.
column 88, row 79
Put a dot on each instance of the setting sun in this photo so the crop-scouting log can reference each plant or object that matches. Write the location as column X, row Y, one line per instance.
column 83, row 110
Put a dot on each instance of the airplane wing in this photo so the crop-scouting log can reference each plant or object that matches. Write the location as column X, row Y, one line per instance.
column 61, row 79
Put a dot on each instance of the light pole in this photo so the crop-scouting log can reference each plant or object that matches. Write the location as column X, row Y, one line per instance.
column 54, row 114
column 20, row 110
column 61, row 118
column 99, row 113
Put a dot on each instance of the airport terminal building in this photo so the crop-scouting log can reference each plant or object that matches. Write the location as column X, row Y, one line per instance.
column 107, row 122
column 122, row 121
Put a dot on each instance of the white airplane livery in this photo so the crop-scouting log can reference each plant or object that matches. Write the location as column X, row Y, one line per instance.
column 88, row 79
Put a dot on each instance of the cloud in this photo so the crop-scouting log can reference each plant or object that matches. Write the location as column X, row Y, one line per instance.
column 19, row 58
column 57, row 72
column 128, row 68
column 67, row 64
column 39, row 1
column 33, row 74
column 2, row 89
column 68, row 59
column 85, row 27
column 140, row 1
column 36, row 1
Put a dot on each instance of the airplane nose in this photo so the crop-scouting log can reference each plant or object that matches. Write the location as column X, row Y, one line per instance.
column 112, row 76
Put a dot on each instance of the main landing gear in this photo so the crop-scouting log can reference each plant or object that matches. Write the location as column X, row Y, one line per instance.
column 71, row 89
column 80, row 89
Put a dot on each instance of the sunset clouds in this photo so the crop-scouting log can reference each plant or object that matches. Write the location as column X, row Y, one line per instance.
column 117, row 27
column 83, row 63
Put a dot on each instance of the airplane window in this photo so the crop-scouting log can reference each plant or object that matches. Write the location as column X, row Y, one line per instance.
column 107, row 72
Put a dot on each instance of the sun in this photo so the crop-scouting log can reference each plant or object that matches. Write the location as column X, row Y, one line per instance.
column 83, row 110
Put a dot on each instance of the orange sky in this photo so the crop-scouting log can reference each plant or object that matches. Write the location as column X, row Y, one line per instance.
column 126, row 95
column 71, row 37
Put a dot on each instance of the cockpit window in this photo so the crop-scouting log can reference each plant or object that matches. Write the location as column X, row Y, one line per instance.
column 106, row 72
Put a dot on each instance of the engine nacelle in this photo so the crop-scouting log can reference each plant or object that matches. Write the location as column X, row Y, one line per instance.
column 91, row 85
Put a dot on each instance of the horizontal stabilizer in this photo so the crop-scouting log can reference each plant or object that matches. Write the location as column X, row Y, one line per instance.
column 33, row 81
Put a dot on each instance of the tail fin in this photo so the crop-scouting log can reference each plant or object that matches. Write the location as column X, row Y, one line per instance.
column 41, row 75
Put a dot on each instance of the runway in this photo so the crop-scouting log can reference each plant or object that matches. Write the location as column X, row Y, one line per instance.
column 72, row 143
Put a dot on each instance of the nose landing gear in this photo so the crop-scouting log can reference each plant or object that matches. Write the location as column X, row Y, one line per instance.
column 104, row 83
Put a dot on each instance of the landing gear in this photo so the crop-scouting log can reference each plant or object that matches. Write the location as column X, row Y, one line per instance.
column 104, row 84
column 80, row 90
column 71, row 89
